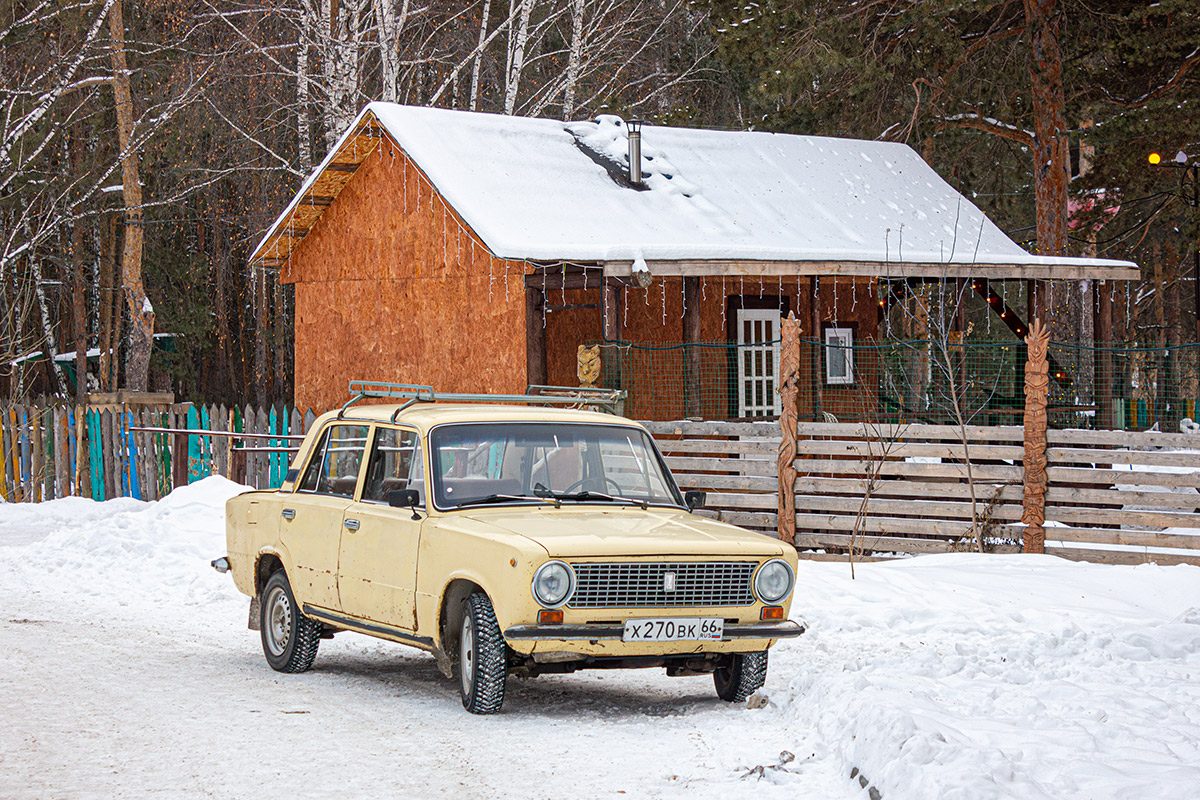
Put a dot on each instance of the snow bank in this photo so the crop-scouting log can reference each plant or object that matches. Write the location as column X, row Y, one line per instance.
column 966, row 676
column 124, row 550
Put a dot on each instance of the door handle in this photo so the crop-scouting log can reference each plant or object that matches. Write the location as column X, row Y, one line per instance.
column 351, row 524
column 289, row 513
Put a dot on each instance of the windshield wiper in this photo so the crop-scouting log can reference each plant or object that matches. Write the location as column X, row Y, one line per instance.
column 586, row 495
column 503, row 498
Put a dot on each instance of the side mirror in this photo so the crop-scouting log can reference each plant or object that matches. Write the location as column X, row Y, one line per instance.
column 694, row 499
column 405, row 498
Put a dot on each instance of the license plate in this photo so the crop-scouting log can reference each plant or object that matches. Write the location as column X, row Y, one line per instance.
column 674, row 629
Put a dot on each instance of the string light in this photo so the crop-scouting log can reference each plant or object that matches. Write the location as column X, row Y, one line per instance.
column 724, row 302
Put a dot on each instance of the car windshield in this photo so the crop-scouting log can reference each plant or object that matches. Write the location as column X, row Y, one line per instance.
column 498, row 463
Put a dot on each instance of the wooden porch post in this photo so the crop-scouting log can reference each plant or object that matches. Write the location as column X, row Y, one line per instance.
column 611, row 312
column 691, row 336
column 814, row 302
column 789, row 376
column 535, row 338
column 1102, row 358
column 1036, row 299
column 1037, row 390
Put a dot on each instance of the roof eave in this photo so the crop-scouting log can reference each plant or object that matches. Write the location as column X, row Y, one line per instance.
column 1044, row 269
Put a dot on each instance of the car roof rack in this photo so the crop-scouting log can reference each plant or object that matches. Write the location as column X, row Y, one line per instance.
column 610, row 400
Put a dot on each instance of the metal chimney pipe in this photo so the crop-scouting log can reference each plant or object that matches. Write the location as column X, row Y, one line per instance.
column 634, row 127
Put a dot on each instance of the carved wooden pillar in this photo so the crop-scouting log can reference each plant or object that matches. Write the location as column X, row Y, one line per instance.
column 789, row 377
column 1037, row 390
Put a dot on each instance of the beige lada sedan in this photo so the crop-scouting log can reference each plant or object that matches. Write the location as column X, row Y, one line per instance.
column 504, row 540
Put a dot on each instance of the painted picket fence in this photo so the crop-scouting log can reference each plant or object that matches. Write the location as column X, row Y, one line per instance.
column 121, row 451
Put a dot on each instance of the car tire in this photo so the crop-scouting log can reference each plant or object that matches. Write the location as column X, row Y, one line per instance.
column 741, row 676
column 289, row 638
column 482, row 657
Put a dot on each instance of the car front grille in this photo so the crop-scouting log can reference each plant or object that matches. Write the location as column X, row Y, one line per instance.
column 646, row 585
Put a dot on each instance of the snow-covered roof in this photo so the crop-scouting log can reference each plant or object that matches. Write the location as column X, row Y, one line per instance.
column 545, row 190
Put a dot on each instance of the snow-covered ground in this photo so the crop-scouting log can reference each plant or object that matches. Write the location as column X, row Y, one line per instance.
column 128, row 671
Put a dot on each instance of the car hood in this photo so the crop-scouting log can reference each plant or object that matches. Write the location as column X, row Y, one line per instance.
column 626, row 530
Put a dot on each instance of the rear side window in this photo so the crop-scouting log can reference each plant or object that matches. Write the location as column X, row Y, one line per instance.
column 396, row 464
column 335, row 465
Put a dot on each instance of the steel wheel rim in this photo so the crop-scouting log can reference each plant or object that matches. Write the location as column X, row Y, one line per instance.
column 279, row 621
column 466, row 654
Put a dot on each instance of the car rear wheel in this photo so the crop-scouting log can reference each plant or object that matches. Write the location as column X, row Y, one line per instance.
column 482, row 657
column 289, row 638
column 741, row 676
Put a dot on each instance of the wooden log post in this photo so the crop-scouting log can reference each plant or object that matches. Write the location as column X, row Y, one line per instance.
column 1037, row 390
column 789, row 377
column 691, row 336
column 535, row 337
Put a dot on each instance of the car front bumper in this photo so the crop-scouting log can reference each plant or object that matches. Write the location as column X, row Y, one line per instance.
column 788, row 629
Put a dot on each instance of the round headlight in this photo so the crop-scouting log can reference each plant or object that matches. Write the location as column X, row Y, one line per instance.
column 773, row 581
column 553, row 583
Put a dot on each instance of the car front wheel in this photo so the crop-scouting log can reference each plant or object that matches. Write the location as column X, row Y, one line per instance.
column 289, row 638
column 741, row 676
column 482, row 657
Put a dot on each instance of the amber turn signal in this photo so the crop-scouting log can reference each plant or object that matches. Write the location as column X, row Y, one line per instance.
column 769, row 612
column 549, row 617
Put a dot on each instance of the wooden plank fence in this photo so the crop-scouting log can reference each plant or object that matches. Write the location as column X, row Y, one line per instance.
column 734, row 462
column 121, row 451
column 1113, row 496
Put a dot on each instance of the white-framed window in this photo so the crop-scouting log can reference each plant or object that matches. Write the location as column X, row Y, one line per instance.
column 839, row 355
column 758, row 362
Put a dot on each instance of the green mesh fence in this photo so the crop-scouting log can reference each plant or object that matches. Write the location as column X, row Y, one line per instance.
column 980, row 383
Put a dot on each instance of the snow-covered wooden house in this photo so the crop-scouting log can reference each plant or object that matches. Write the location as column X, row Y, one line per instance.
column 477, row 252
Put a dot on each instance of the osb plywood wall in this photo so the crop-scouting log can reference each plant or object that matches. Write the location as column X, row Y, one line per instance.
column 654, row 316
column 391, row 286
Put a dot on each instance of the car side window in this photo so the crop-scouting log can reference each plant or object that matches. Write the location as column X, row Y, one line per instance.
column 335, row 465
column 395, row 464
